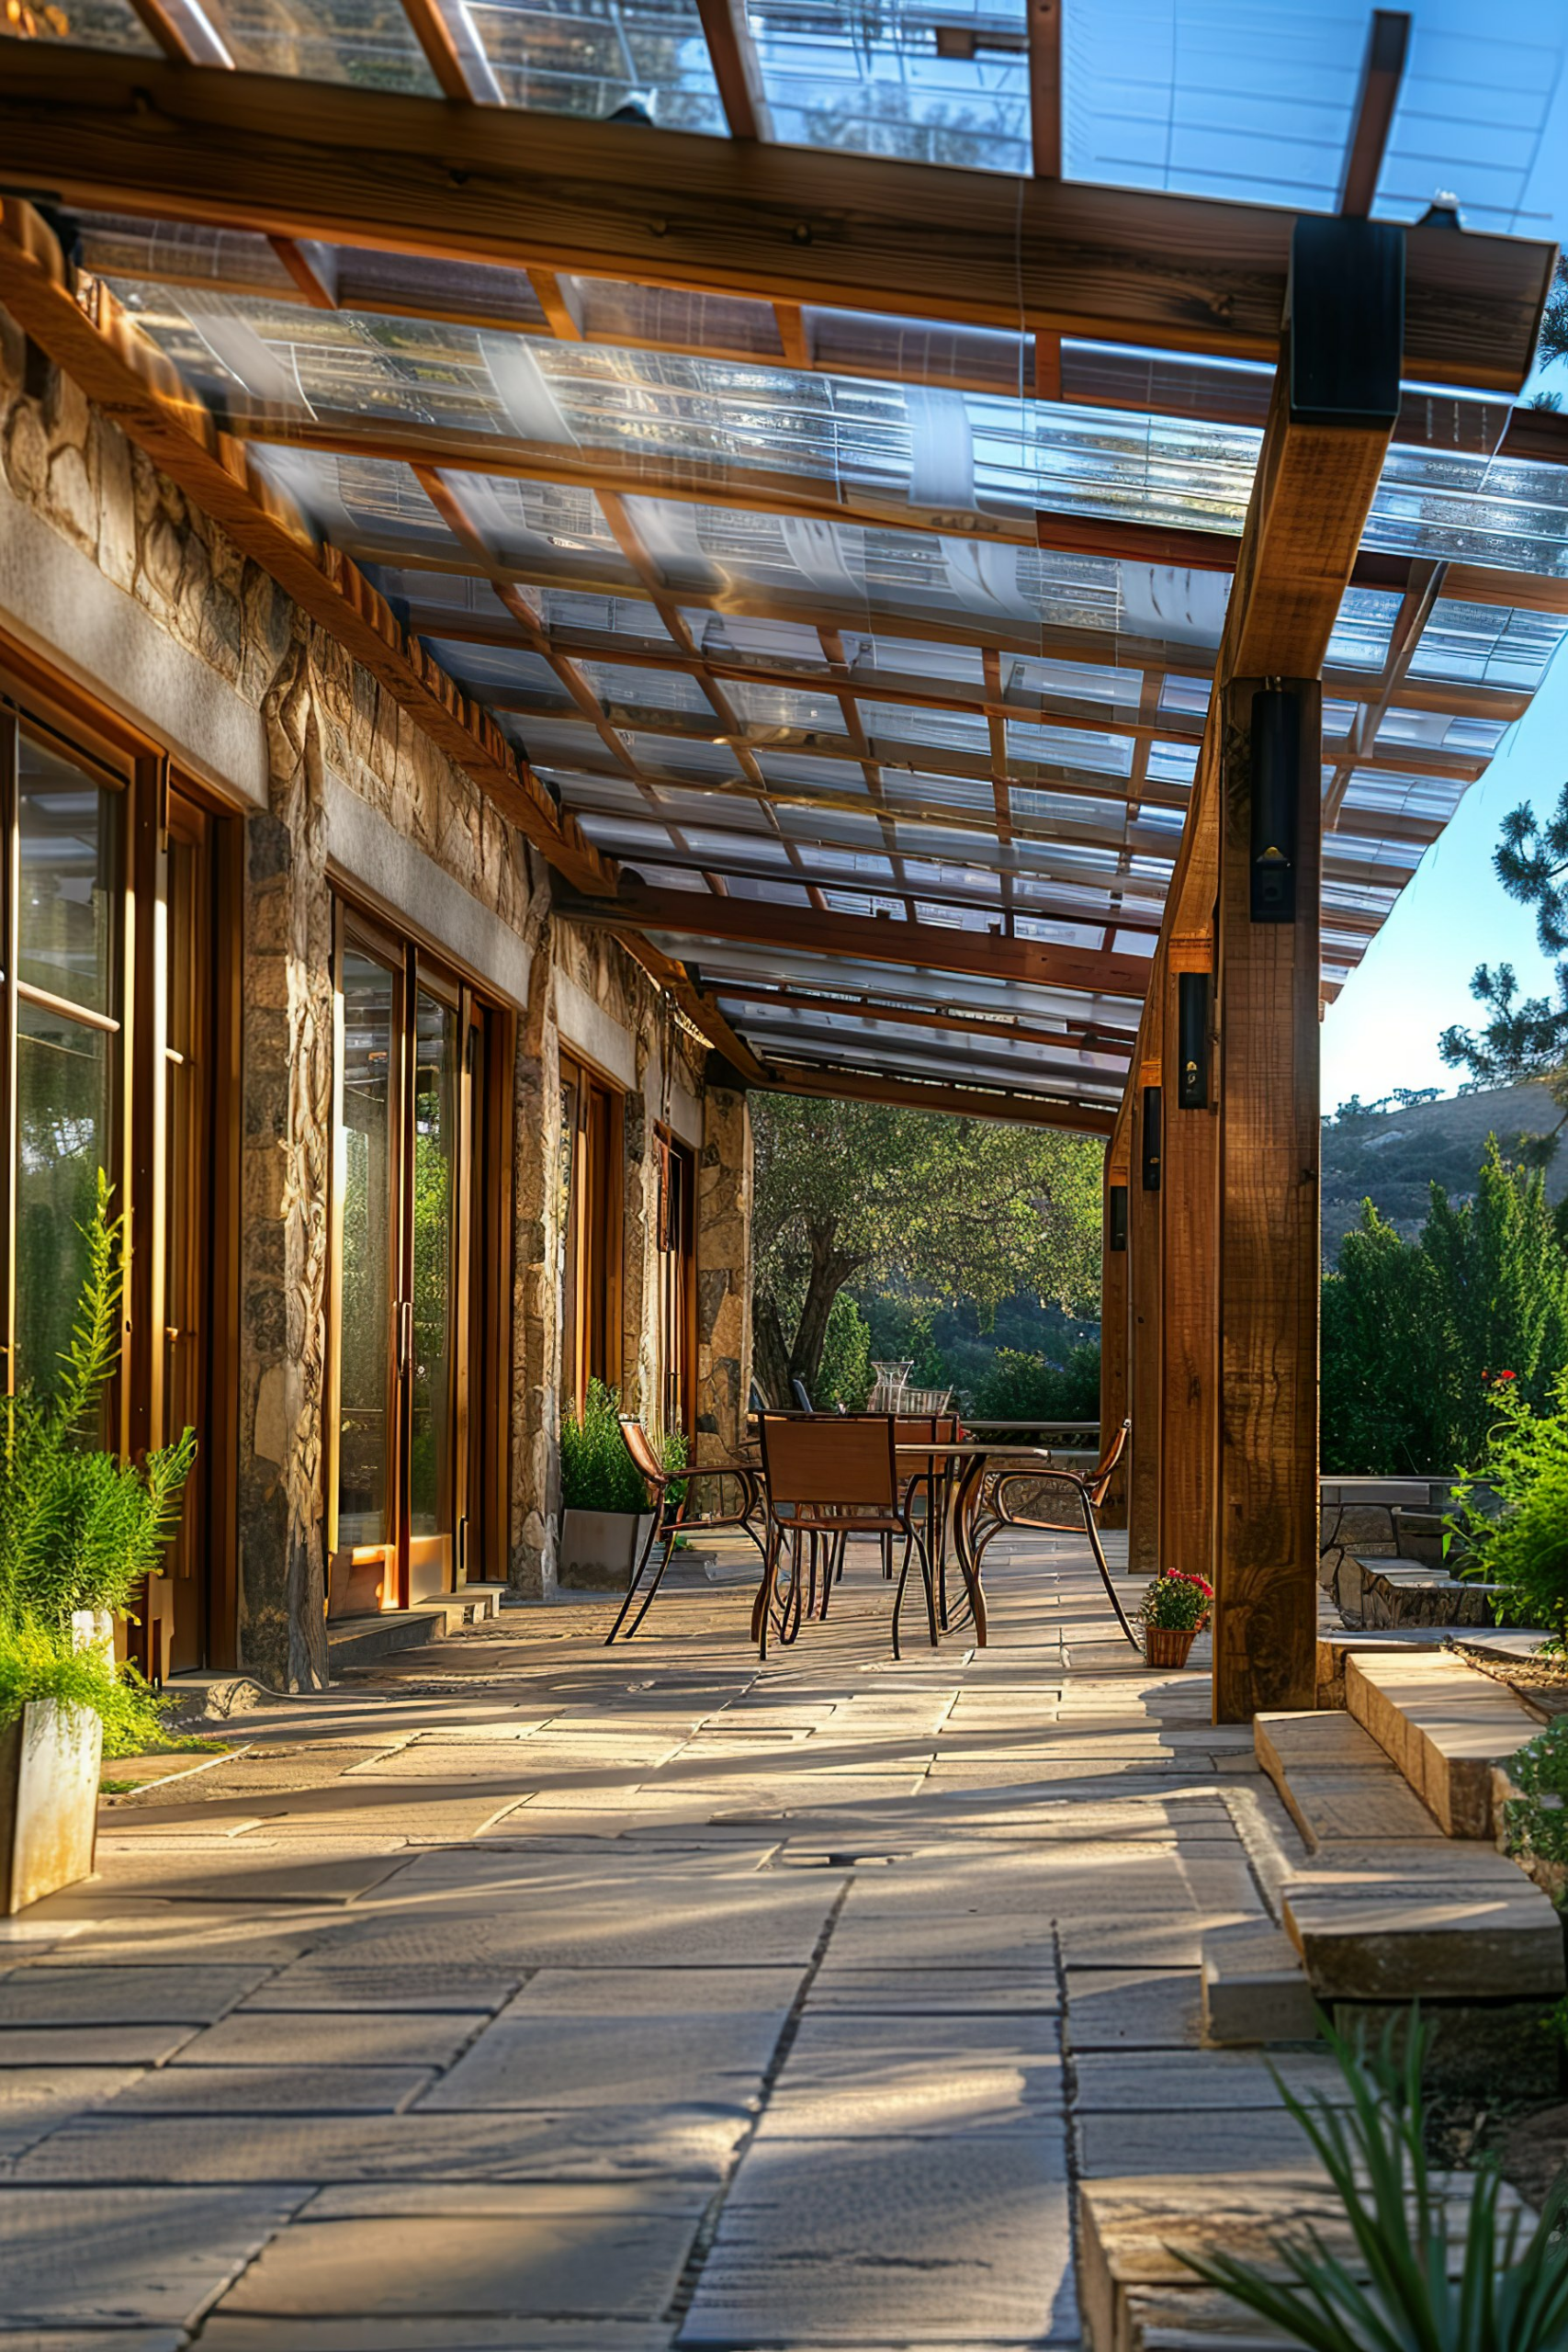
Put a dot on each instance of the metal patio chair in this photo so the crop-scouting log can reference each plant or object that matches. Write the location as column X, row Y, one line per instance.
column 670, row 1520
column 826, row 1479
column 1087, row 1492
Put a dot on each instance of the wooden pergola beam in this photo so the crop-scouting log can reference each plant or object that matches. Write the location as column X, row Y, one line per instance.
column 1448, row 697
column 1382, row 70
column 1069, row 1038
column 958, row 1101
column 866, row 938
column 138, row 391
column 663, row 208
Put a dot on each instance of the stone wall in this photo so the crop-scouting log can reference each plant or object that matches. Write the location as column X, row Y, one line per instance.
column 330, row 727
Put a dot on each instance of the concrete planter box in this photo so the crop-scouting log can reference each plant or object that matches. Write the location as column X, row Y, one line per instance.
column 50, row 1761
column 599, row 1548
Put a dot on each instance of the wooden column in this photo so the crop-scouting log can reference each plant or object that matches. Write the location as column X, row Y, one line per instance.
column 1144, row 1379
column 1269, row 1262
column 1113, row 1330
column 1189, row 1202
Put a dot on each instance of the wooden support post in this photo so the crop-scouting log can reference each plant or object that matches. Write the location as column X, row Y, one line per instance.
column 1113, row 1331
column 1270, row 1265
column 1143, row 1381
column 1189, row 1202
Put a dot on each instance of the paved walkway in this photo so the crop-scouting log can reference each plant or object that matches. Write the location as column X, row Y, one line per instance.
column 534, row 1995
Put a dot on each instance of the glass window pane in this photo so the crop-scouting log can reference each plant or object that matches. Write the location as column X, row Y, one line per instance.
column 95, row 24
column 434, row 1190
column 63, row 1120
column 365, row 1178
column 591, row 57
column 66, row 919
column 365, row 42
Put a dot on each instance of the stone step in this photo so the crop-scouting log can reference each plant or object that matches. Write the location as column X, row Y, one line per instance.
column 1255, row 1988
column 1139, row 2296
column 1337, row 1782
column 1445, row 1725
column 1381, row 1591
column 356, row 1644
column 1335, row 1645
column 1462, row 1924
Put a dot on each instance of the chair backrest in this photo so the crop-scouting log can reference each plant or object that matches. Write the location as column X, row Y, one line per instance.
column 640, row 1447
column 801, row 1393
column 925, row 1400
column 1100, row 1476
column 828, row 1460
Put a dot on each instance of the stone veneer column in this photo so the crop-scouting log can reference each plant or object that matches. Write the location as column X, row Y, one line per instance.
column 537, row 1292
column 724, row 1272
column 287, row 1144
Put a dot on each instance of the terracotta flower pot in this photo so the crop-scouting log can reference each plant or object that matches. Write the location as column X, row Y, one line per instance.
column 1168, row 1644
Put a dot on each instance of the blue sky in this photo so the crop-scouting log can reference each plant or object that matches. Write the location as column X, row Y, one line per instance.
column 1415, row 980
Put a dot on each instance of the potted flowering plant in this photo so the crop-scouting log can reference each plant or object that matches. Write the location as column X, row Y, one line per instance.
column 1174, row 1611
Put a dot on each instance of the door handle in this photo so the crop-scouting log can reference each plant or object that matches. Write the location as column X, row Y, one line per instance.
column 405, row 1337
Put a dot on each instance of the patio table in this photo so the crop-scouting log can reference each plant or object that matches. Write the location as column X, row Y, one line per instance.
column 964, row 1463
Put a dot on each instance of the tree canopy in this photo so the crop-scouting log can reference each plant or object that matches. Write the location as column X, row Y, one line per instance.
column 848, row 1192
column 1524, row 1036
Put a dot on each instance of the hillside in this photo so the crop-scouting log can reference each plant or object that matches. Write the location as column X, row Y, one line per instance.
column 1393, row 1156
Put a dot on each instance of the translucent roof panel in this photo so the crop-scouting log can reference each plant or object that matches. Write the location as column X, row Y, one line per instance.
column 92, row 24
column 368, row 42
column 1215, row 97
column 1207, row 96
column 179, row 253
column 1473, row 110
column 1487, row 645
column 945, row 83
column 1476, row 510
column 1363, row 629
column 595, row 56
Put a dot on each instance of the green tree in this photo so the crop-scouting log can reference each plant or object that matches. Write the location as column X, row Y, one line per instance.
column 1524, row 1036
column 1414, row 1332
column 844, row 1376
column 952, row 1208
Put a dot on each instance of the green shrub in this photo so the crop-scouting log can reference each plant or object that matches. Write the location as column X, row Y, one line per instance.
column 37, row 1663
column 1020, row 1387
column 1405, row 2291
column 596, row 1471
column 79, row 1529
column 1534, row 1820
column 1523, row 1547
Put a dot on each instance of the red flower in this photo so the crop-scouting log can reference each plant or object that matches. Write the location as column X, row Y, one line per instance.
column 1186, row 1575
column 1505, row 1375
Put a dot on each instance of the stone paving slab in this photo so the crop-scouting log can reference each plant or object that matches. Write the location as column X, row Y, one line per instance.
column 271, row 2038
column 822, row 2242
column 47, row 1993
column 898, row 2077
column 388, row 2332
column 540, row 2253
column 1134, row 2009
column 35, row 2100
column 92, row 2045
column 275, row 2091
column 611, row 2142
column 119, row 2258
column 561, row 2062
column 934, row 1991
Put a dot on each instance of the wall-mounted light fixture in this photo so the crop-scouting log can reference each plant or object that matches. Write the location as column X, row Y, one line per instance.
column 1276, row 799
column 1191, row 1041
column 1151, row 1138
column 1118, row 1216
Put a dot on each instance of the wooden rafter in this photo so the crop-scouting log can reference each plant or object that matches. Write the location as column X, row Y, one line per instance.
column 1382, row 70
column 922, row 947
column 434, row 34
column 734, row 62
column 113, row 364
column 1081, row 1036
column 833, row 1085
column 858, row 233
column 1453, row 700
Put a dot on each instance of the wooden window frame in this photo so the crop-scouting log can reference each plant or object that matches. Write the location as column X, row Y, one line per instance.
column 596, row 1186
column 126, row 761
column 481, row 1534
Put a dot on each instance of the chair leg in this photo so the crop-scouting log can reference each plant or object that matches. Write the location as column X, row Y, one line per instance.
column 1099, row 1561
column 930, row 1589
column 903, row 1580
column 642, row 1560
column 667, row 1556
column 886, row 1543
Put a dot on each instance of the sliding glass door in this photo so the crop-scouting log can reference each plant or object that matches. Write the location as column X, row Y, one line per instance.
column 410, row 1205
